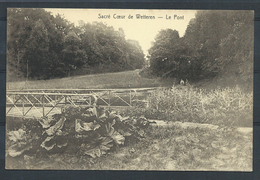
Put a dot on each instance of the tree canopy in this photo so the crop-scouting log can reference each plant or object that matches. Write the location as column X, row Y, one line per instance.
column 215, row 43
column 42, row 46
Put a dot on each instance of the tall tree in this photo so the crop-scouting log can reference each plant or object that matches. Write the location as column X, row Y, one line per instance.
column 214, row 33
column 134, row 55
column 167, row 54
column 73, row 56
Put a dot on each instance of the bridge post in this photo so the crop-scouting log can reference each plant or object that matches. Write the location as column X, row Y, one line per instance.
column 43, row 113
column 90, row 101
column 23, row 105
column 109, row 99
column 130, row 97
column 66, row 99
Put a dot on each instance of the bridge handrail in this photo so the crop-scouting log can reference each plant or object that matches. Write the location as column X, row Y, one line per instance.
column 123, row 89
column 56, row 94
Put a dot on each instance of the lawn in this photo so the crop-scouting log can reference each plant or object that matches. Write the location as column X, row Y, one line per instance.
column 126, row 79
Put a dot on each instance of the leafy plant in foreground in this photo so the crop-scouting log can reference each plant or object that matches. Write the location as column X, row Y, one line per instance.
column 90, row 131
column 18, row 142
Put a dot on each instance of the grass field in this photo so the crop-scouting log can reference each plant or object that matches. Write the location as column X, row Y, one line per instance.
column 126, row 79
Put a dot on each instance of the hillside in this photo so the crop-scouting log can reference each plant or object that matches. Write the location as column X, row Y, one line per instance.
column 230, row 79
column 129, row 79
column 125, row 79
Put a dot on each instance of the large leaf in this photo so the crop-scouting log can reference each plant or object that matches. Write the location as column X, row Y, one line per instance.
column 116, row 136
column 20, row 142
column 89, row 115
column 17, row 135
column 91, row 112
column 48, row 144
column 53, row 129
column 101, row 147
column 81, row 126
column 19, row 148
column 112, row 114
column 45, row 122
column 103, row 115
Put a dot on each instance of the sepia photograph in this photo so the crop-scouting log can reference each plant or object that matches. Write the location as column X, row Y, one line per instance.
column 129, row 89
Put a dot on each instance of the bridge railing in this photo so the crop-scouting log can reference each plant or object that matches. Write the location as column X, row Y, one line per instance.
column 82, row 91
column 53, row 99
column 42, row 104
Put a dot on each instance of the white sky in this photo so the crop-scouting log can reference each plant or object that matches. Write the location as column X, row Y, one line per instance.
column 142, row 30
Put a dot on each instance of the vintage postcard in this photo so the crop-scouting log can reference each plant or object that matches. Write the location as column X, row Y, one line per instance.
column 128, row 89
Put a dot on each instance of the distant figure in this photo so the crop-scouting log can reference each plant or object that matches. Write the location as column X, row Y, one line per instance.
column 182, row 82
column 187, row 83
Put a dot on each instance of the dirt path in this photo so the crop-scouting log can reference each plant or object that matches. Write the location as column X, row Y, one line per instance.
column 190, row 125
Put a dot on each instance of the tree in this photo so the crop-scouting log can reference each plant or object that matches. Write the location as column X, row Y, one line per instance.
column 18, row 30
column 215, row 34
column 167, row 54
column 134, row 55
column 35, row 40
column 107, row 47
column 73, row 56
column 36, row 54
column 232, row 54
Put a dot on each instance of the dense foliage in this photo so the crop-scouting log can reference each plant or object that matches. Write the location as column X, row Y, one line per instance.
column 88, row 131
column 42, row 46
column 215, row 43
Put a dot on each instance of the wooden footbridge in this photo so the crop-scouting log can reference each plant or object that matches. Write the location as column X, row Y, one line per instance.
column 46, row 102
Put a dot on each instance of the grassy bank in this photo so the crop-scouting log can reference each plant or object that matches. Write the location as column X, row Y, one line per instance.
column 126, row 79
column 228, row 106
